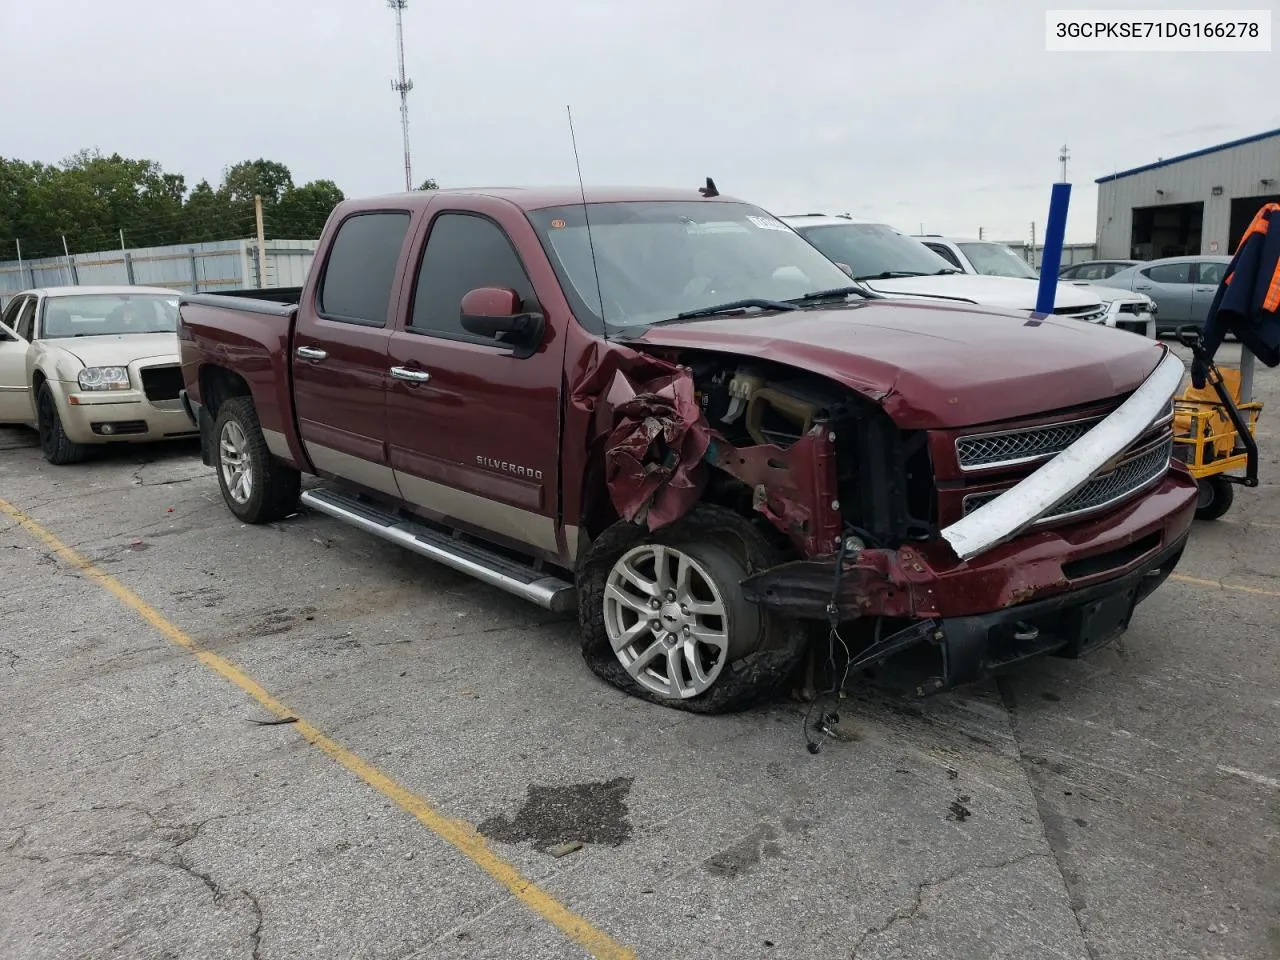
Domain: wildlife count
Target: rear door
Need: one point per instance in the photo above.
(1169, 285)
(340, 350)
(15, 394)
(473, 430)
(1208, 275)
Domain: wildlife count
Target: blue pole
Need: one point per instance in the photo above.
(1053, 235)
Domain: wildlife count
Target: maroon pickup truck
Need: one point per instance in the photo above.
(669, 413)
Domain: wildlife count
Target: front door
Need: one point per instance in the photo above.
(340, 351)
(15, 393)
(473, 430)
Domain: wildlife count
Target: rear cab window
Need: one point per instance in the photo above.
(360, 270)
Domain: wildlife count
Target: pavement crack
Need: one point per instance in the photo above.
(9, 658)
(911, 911)
(1044, 814)
(255, 935)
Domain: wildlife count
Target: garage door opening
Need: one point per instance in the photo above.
(1169, 230)
(1243, 209)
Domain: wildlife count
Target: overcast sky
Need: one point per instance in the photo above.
(918, 112)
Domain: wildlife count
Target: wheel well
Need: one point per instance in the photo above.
(218, 385)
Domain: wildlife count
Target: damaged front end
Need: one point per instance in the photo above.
(858, 500)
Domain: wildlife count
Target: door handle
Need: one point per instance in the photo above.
(411, 376)
(311, 353)
(1142, 286)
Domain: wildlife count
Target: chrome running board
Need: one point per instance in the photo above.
(520, 579)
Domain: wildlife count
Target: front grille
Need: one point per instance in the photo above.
(1134, 308)
(161, 383)
(1011, 448)
(1137, 472)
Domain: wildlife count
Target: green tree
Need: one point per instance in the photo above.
(250, 178)
(429, 184)
(302, 211)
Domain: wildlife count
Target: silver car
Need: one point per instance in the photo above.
(1182, 287)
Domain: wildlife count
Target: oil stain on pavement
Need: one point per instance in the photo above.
(583, 812)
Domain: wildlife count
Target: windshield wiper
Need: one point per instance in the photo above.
(731, 306)
(890, 274)
(944, 271)
(839, 293)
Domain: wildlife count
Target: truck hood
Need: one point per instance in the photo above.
(120, 350)
(934, 365)
(1014, 292)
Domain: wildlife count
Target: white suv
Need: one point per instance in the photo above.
(888, 261)
(1129, 311)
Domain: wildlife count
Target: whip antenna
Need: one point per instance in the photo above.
(586, 217)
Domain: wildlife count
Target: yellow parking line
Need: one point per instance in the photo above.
(1238, 588)
(462, 836)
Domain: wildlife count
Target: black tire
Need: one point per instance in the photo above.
(273, 487)
(718, 537)
(1216, 497)
(54, 444)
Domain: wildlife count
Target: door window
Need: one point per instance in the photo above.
(463, 252)
(10, 316)
(26, 320)
(945, 253)
(1169, 272)
(1209, 272)
(361, 268)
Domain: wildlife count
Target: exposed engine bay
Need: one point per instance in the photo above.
(818, 461)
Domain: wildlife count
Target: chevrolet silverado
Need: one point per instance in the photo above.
(668, 412)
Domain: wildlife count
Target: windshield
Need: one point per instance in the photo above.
(873, 249)
(98, 315)
(659, 259)
(997, 260)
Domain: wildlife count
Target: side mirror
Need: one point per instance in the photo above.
(6, 334)
(848, 270)
(497, 312)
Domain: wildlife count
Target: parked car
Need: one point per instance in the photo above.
(680, 420)
(1135, 312)
(92, 365)
(1093, 270)
(1183, 287)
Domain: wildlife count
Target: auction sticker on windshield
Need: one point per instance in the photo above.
(766, 223)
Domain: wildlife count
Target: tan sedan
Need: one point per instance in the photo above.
(92, 365)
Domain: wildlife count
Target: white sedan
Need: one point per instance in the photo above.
(92, 365)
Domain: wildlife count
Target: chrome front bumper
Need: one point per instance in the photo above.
(1027, 501)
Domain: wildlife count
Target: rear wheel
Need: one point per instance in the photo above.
(1215, 496)
(663, 617)
(54, 444)
(256, 486)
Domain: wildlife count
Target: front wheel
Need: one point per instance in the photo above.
(1215, 496)
(256, 487)
(663, 617)
(54, 443)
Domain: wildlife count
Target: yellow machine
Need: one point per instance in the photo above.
(1213, 429)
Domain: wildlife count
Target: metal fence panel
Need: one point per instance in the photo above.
(200, 267)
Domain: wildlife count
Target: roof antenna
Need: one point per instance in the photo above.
(709, 190)
(586, 217)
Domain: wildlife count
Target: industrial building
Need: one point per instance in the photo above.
(1195, 204)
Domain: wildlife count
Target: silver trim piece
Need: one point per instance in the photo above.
(375, 476)
(483, 513)
(1035, 495)
(312, 353)
(550, 593)
(409, 374)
